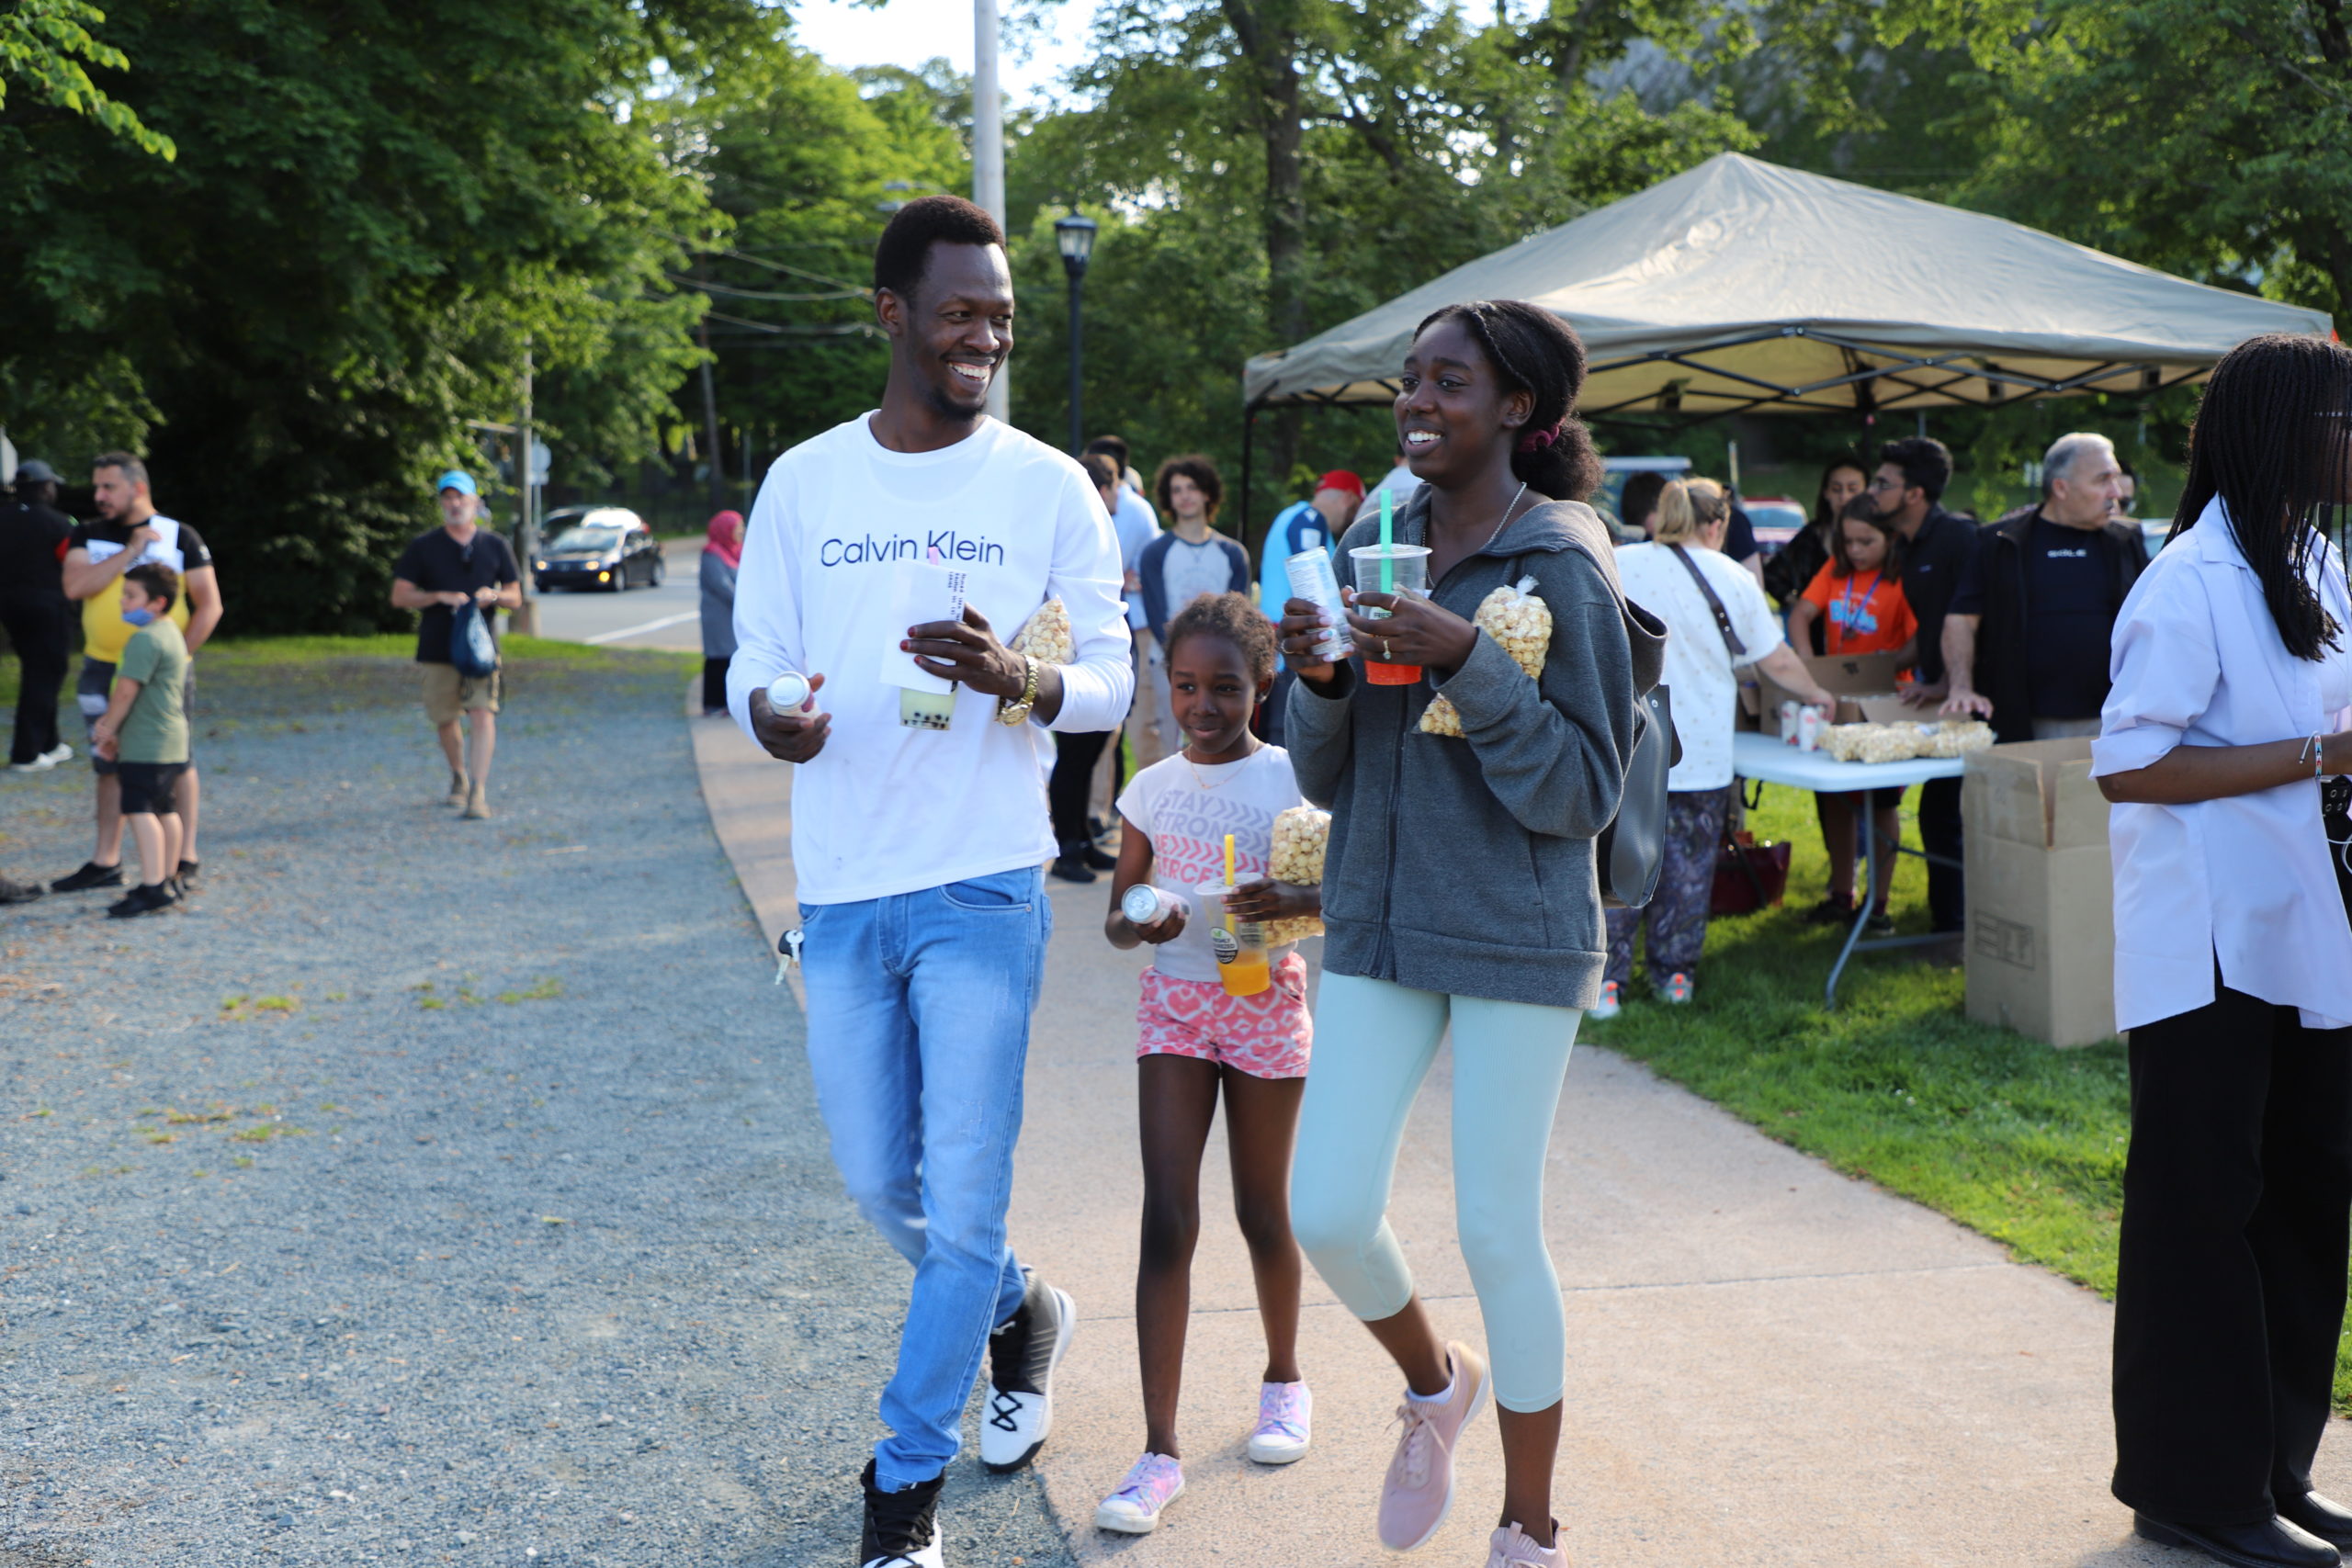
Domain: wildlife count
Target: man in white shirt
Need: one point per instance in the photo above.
(920, 822)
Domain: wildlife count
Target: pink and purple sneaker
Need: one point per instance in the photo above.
(1285, 1412)
(1135, 1509)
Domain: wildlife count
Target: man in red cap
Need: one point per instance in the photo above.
(1302, 525)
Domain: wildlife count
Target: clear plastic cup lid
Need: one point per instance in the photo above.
(1390, 552)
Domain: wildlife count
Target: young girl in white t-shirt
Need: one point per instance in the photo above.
(1196, 1042)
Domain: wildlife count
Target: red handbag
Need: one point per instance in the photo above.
(1748, 875)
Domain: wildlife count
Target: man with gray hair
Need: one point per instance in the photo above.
(2026, 639)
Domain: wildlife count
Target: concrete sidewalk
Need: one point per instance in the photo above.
(1768, 1362)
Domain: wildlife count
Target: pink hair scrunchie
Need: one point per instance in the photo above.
(1536, 440)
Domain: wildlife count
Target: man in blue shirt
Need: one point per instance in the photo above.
(1300, 526)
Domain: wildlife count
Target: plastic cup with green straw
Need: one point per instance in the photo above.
(1387, 542)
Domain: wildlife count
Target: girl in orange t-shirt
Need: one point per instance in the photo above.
(1860, 593)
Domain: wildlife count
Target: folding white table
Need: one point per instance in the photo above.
(1769, 759)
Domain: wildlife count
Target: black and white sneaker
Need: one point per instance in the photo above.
(1021, 1358)
(902, 1527)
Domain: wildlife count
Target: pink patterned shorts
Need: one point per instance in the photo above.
(1266, 1037)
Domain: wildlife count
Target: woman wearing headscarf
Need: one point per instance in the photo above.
(2222, 745)
(722, 552)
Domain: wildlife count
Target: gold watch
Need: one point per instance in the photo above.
(1018, 712)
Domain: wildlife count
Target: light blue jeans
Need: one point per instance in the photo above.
(1373, 1043)
(919, 1010)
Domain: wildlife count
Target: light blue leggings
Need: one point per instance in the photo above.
(1373, 1044)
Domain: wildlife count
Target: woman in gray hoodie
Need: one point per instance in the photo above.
(1459, 889)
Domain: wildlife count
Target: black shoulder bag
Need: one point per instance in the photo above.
(1722, 618)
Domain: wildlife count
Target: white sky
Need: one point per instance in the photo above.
(910, 32)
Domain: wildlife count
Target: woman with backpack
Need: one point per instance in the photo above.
(1460, 888)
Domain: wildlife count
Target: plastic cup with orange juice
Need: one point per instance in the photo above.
(1388, 568)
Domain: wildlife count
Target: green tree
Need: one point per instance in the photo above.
(1422, 140)
(801, 161)
(376, 208)
(48, 48)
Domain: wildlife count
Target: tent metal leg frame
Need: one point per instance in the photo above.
(1867, 879)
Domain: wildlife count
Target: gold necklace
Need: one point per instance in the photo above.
(1220, 783)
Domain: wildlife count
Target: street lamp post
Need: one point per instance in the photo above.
(1075, 236)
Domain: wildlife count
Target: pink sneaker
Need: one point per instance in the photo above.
(1284, 1410)
(1418, 1492)
(1511, 1548)
(1134, 1509)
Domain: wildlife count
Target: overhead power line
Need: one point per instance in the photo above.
(709, 288)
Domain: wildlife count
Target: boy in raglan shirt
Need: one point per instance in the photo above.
(919, 849)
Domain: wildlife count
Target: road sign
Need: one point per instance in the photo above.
(541, 455)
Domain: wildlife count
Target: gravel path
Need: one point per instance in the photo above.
(430, 1190)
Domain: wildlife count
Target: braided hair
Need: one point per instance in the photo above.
(2273, 439)
(1535, 352)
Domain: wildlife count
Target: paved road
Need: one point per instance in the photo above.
(434, 1192)
(669, 616)
(1769, 1363)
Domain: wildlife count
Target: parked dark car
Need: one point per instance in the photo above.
(601, 547)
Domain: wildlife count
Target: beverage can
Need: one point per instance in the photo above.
(1145, 905)
(1809, 728)
(1315, 579)
(1789, 706)
(790, 692)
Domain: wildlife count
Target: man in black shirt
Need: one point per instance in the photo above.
(456, 564)
(2045, 586)
(37, 616)
(1936, 544)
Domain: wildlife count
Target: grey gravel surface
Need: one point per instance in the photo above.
(430, 1190)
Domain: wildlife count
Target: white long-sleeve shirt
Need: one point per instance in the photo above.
(2197, 660)
(886, 809)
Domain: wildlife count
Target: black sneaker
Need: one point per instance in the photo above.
(1099, 859)
(92, 874)
(1832, 912)
(1021, 1358)
(19, 892)
(902, 1527)
(140, 900)
(1072, 868)
(186, 872)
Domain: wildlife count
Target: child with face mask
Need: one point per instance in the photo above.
(144, 732)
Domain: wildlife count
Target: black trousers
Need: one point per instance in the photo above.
(714, 683)
(42, 633)
(1940, 836)
(1071, 784)
(2229, 1292)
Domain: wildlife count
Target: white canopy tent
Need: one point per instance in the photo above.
(1742, 287)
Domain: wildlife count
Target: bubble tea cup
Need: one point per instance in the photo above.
(1239, 945)
(1388, 568)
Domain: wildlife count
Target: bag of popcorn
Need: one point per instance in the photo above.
(1514, 617)
(1957, 738)
(1301, 835)
(1044, 637)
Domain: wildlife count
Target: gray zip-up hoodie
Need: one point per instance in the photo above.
(1465, 865)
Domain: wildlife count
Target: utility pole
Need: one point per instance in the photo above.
(524, 621)
(988, 155)
(710, 427)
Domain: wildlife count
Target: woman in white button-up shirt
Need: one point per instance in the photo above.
(2232, 670)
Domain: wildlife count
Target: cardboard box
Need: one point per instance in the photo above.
(1863, 685)
(2040, 945)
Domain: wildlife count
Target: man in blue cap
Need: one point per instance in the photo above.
(458, 563)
